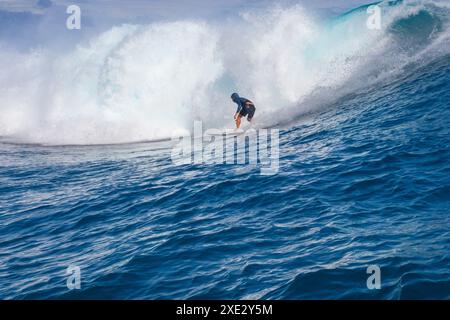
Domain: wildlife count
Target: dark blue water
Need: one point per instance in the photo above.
(365, 181)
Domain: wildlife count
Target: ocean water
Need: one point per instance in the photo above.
(363, 179)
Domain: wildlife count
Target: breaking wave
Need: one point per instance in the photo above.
(144, 82)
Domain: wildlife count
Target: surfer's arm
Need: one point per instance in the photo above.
(236, 115)
(239, 108)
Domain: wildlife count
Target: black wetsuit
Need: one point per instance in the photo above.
(245, 107)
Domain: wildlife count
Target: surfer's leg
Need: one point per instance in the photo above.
(242, 113)
(238, 121)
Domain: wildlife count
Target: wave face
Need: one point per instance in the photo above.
(363, 181)
(142, 82)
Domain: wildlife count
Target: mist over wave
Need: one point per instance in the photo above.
(142, 82)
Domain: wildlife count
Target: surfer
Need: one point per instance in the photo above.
(245, 108)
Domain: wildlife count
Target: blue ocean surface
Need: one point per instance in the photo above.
(363, 180)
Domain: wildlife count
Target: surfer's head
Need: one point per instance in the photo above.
(234, 97)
